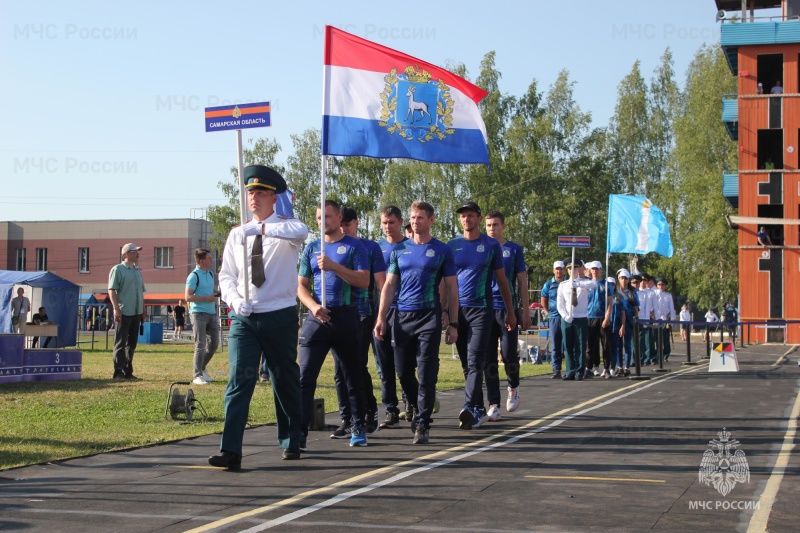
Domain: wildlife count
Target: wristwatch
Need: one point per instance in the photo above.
(454, 324)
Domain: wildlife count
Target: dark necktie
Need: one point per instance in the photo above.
(574, 297)
(257, 263)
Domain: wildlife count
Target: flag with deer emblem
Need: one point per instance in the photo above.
(379, 102)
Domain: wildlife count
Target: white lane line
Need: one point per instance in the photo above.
(760, 518)
(397, 477)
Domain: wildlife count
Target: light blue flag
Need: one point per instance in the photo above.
(285, 204)
(636, 226)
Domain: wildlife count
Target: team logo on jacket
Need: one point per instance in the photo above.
(481, 249)
(341, 250)
(506, 253)
(416, 106)
(430, 252)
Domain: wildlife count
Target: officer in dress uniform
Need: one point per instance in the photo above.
(266, 321)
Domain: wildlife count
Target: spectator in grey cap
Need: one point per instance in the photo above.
(126, 292)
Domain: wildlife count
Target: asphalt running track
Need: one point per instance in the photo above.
(598, 455)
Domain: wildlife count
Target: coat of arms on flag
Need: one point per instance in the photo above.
(378, 102)
(415, 106)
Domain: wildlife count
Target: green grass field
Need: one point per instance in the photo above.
(48, 421)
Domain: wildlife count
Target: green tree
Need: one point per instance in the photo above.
(706, 250)
(629, 130)
(490, 186)
(304, 168)
(664, 104)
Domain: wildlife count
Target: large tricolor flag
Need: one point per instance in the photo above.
(636, 226)
(378, 102)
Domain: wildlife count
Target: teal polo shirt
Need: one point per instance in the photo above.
(128, 283)
(203, 285)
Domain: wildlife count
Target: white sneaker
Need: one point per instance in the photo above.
(596, 372)
(200, 380)
(207, 376)
(512, 404)
(494, 412)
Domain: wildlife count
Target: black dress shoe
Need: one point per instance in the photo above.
(569, 378)
(228, 460)
(118, 375)
(556, 375)
(290, 454)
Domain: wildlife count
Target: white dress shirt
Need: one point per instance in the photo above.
(646, 297)
(281, 243)
(664, 308)
(564, 298)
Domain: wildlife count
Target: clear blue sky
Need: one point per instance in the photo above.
(101, 104)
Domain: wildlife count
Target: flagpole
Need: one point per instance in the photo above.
(608, 271)
(243, 213)
(322, 226)
(323, 165)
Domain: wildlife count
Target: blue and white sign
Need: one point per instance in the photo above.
(238, 116)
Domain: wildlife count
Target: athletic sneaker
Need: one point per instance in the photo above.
(343, 431)
(359, 436)
(391, 420)
(494, 412)
(480, 416)
(207, 376)
(200, 380)
(512, 403)
(373, 425)
(402, 415)
(303, 444)
(409, 412)
(466, 418)
(596, 372)
(421, 436)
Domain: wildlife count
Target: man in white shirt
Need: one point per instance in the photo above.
(638, 281)
(664, 310)
(265, 321)
(20, 306)
(573, 306)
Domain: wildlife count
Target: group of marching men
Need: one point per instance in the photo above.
(471, 289)
(467, 288)
(590, 314)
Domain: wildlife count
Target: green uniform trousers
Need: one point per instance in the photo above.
(275, 334)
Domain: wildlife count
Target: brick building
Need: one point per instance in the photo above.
(83, 251)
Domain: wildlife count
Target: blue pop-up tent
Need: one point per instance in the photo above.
(59, 296)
